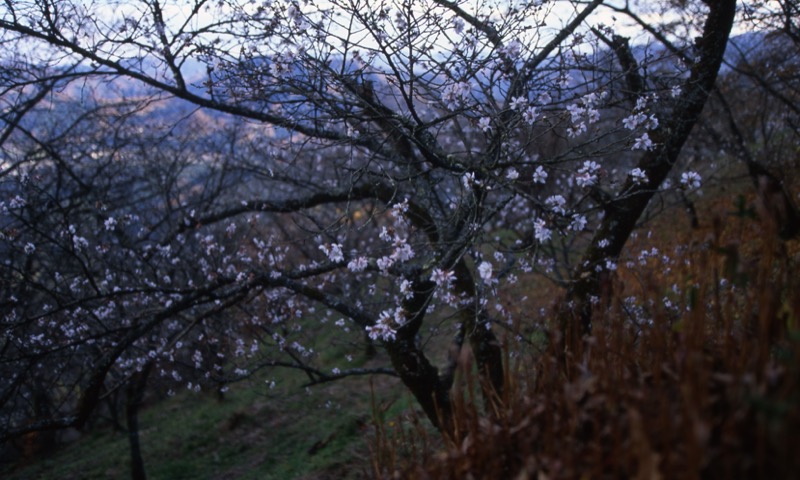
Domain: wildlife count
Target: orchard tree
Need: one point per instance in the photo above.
(96, 194)
(384, 168)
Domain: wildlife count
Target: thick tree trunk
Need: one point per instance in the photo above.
(430, 389)
(422, 379)
(625, 210)
(414, 368)
(484, 344)
(135, 395)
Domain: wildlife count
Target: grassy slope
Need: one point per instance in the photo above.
(254, 433)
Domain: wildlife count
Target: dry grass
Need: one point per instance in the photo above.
(692, 370)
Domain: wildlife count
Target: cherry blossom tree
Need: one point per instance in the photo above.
(232, 178)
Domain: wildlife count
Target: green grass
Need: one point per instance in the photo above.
(255, 433)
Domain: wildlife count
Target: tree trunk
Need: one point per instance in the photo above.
(135, 394)
(413, 367)
(484, 344)
(431, 390)
(422, 379)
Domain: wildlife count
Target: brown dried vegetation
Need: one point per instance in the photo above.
(699, 376)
